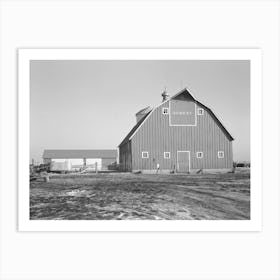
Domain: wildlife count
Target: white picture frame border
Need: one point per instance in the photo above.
(254, 55)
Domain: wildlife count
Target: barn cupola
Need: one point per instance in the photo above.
(164, 95)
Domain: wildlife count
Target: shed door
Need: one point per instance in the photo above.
(183, 161)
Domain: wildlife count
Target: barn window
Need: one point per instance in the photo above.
(199, 154)
(200, 111)
(166, 155)
(145, 155)
(165, 111)
(221, 154)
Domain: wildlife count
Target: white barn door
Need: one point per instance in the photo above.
(183, 162)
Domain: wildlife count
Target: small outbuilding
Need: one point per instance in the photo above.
(66, 160)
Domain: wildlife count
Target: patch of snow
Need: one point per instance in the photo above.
(77, 193)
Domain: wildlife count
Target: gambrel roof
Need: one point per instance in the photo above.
(184, 91)
(131, 132)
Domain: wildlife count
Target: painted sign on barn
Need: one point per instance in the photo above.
(182, 112)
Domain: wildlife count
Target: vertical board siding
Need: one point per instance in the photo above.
(125, 157)
(156, 136)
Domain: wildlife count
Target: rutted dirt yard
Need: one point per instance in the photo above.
(138, 196)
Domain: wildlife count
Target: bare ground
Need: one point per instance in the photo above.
(136, 196)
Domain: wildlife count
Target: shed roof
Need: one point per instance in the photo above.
(60, 154)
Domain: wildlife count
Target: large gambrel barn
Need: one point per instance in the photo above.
(179, 135)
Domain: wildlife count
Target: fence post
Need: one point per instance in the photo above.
(96, 170)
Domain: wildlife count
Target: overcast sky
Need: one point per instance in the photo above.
(92, 104)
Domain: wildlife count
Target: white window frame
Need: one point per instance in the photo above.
(221, 152)
(199, 153)
(200, 112)
(167, 109)
(144, 156)
(166, 153)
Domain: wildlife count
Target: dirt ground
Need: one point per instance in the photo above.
(126, 196)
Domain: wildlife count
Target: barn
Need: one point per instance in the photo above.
(180, 135)
(79, 159)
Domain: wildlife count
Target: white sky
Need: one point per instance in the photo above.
(92, 104)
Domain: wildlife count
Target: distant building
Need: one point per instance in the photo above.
(179, 135)
(77, 159)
